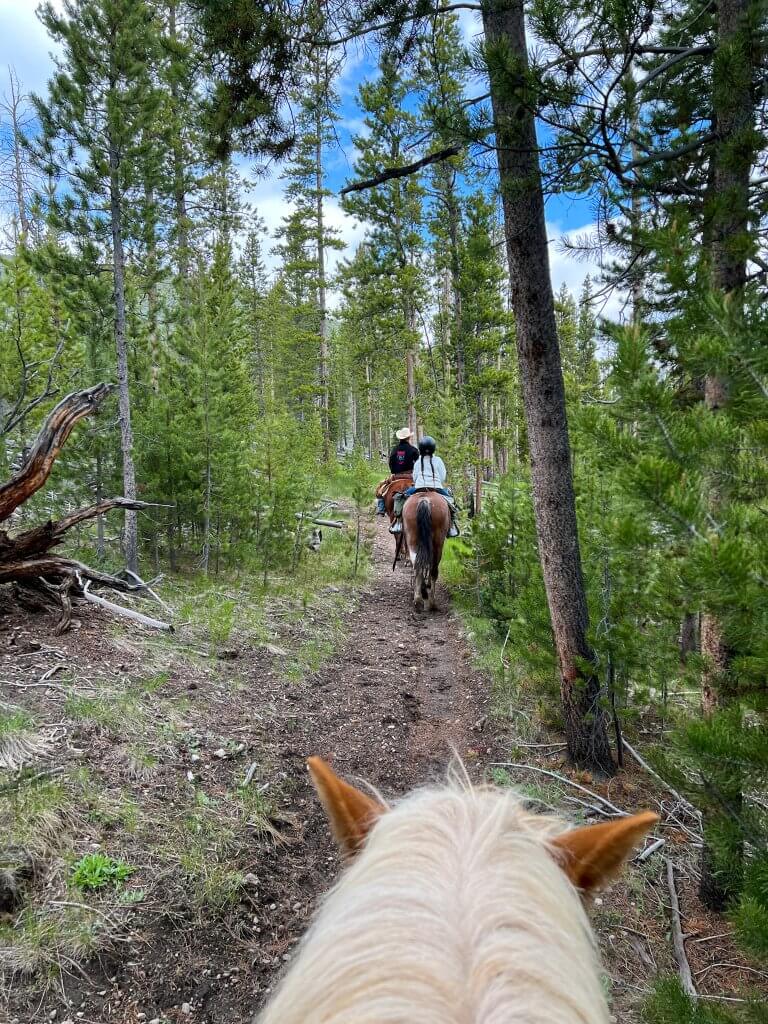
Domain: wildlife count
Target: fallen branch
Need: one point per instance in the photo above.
(561, 778)
(683, 967)
(590, 807)
(335, 524)
(150, 591)
(644, 764)
(127, 613)
(40, 539)
(57, 428)
(649, 851)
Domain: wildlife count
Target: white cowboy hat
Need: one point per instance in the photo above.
(403, 433)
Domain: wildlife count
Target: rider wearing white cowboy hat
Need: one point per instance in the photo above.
(401, 459)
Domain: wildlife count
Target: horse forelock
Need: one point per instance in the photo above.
(455, 912)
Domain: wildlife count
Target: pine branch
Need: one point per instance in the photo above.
(404, 171)
(382, 26)
(664, 155)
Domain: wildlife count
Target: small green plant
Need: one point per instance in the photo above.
(98, 870)
(153, 683)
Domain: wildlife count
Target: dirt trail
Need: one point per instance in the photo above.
(402, 693)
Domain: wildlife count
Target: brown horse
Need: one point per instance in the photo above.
(426, 521)
(399, 482)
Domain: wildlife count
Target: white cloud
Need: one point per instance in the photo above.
(470, 26)
(267, 199)
(570, 269)
(26, 46)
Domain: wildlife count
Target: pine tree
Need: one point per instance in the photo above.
(95, 132)
(307, 191)
(394, 212)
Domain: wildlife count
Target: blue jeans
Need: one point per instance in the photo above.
(440, 490)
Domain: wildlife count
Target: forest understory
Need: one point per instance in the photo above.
(163, 849)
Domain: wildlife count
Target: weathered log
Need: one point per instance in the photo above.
(47, 579)
(59, 567)
(129, 613)
(336, 524)
(40, 539)
(46, 449)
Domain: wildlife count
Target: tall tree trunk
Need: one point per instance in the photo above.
(321, 285)
(131, 540)
(727, 210)
(542, 381)
(179, 179)
(21, 201)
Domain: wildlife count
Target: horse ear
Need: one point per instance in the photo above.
(351, 813)
(593, 855)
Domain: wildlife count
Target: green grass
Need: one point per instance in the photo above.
(14, 721)
(256, 809)
(43, 942)
(153, 683)
(34, 814)
(115, 712)
(99, 871)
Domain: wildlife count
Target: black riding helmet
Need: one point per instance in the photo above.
(427, 445)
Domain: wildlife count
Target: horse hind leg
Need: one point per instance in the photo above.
(418, 586)
(430, 595)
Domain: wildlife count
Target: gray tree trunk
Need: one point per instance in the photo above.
(18, 174)
(131, 541)
(321, 287)
(727, 213)
(542, 382)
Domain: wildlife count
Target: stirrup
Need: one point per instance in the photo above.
(453, 530)
(396, 527)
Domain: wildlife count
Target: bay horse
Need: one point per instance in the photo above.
(399, 482)
(426, 521)
(458, 906)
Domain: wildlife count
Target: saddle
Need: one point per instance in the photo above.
(406, 479)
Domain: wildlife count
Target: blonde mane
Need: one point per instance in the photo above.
(454, 912)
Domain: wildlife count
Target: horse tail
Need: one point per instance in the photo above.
(423, 561)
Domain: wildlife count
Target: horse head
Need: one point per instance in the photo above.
(458, 905)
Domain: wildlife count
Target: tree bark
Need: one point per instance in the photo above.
(542, 381)
(689, 636)
(21, 200)
(47, 447)
(727, 214)
(321, 285)
(411, 390)
(131, 540)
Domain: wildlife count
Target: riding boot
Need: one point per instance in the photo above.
(381, 509)
(397, 526)
(453, 530)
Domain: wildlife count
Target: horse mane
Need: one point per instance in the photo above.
(454, 912)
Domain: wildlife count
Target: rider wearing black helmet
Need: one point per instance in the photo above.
(429, 473)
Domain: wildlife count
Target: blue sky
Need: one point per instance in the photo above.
(25, 46)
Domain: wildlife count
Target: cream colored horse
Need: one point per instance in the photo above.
(458, 907)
